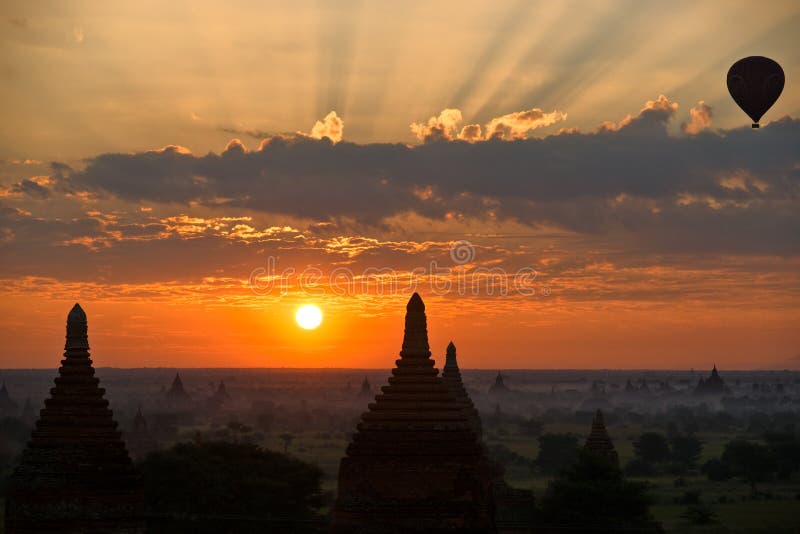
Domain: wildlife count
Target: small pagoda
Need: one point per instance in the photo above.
(75, 476)
(177, 396)
(139, 439)
(415, 463)
(366, 390)
(451, 376)
(499, 387)
(220, 396)
(8, 407)
(28, 413)
(599, 442)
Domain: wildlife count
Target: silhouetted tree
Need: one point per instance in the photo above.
(556, 451)
(215, 479)
(651, 447)
(716, 470)
(747, 460)
(784, 448)
(593, 496)
(685, 450)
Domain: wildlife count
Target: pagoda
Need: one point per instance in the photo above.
(7, 404)
(28, 413)
(713, 385)
(366, 390)
(75, 475)
(220, 396)
(599, 442)
(177, 396)
(139, 425)
(499, 387)
(139, 439)
(451, 376)
(415, 463)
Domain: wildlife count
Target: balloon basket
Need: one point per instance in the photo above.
(755, 125)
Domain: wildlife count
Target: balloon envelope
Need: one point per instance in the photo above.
(755, 83)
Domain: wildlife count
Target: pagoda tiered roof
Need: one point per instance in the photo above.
(75, 474)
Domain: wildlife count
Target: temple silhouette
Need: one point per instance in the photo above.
(75, 475)
(415, 463)
(7, 405)
(599, 442)
(177, 397)
(713, 385)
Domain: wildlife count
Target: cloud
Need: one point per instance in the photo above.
(633, 179)
(517, 125)
(447, 126)
(471, 133)
(37, 187)
(654, 112)
(235, 146)
(254, 133)
(443, 127)
(700, 119)
(331, 127)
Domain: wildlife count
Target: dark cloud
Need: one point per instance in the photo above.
(629, 176)
(31, 188)
(249, 132)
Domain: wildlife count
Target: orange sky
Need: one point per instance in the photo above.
(426, 144)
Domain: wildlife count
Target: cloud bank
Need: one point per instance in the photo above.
(733, 191)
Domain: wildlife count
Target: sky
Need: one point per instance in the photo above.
(566, 184)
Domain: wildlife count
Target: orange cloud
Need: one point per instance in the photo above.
(235, 145)
(660, 109)
(517, 125)
(700, 119)
(471, 133)
(332, 127)
(445, 126)
(441, 128)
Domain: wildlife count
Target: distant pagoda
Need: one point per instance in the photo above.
(414, 464)
(220, 396)
(28, 413)
(366, 390)
(499, 387)
(713, 385)
(599, 442)
(451, 376)
(139, 439)
(177, 396)
(75, 474)
(139, 423)
(7, 404)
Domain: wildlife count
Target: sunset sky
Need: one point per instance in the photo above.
(581, 163)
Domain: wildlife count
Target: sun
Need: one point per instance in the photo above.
(308, 316)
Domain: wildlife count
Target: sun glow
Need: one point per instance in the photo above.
(308, 316)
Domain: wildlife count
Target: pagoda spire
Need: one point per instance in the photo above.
(599, 442)
(75, 475)
(450, 361)
(451, 376)
(415, 337)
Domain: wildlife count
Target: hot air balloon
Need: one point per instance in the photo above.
(755, 83)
